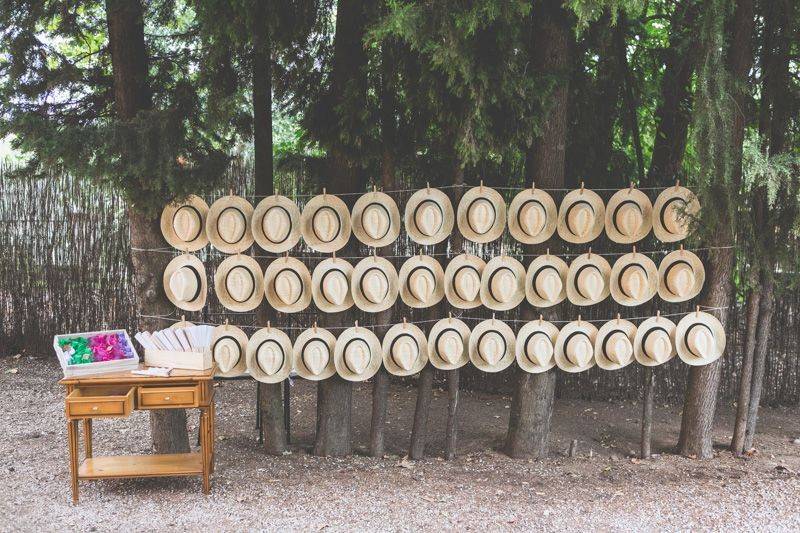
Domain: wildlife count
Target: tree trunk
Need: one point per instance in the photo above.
(451, 437)
(420, 429)
(132, 95)
(746, 380)
(272, 423)
(760, 357)
(647, 410)
(380, 393)
(630, 100)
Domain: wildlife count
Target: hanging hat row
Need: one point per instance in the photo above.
(373, 284)
(491, 346)
(231, 224)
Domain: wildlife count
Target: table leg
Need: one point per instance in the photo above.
(72, 433)
(87, 436)
(211, 438)
(204, 449)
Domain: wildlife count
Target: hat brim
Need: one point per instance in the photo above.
(453, 267)
(182, 324)
(212, 229)
(644, 329)
(429, 264)
(515, 209)
(222, 292)
(668, 262)
(440, 327)
(567, 332)
(620, 265)
(444, 204)
(537, 267)
(260, 337)
(318, 278)
(317, 203)
(388, 206)
(292, 212)
(663, 201)
(389, 339)
(525, 333)
(612, 326)
(168, 230)
(578, 264)
(475, 337)
(620, 199)
(492, 267)
(297, 353)
(695, 319)
(375, 360)
(197, 267)
(570, 200)
(296, 266)
(462, 214)
(361, 268)
(240, 337)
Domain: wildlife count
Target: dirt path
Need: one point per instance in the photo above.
(603, 489)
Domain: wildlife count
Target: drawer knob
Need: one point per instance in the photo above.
(95, 408)
(167, 398)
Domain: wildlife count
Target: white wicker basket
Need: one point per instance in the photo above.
(100, 367)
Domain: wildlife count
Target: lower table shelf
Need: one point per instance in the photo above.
(130, 466)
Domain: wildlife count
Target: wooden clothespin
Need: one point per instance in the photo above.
(405, 323)
(315, 327)
(681, 249)
(493, 315)
(579, 320)
(697, 311)
(480, 188)
(226, 323)
(541, 318)
(230, 191)
(658, 314)
(618, 319)
(375, 255)
(589, 253)
(634, 251)
(324, 192)
(333, 259)
(428, 186)
(677, 183)
(183, 318)
(630, 189)
(356, 326)
(269, 325)
(286, 257)
(449, 317)
(547, 254)
(582, 187)
(533, 186)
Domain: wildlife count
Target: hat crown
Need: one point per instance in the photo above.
(183, 284)
(701, 342)
(542, 350)
(450, 346)
(680, 279)
(186, 223)
(532, 218)
(226, 354)
(619, 348)
(326, 224)
(288, 286)
(231, 225)
(375, 221)
(549, 284)
(481, 215)
(633, 281)
(357, 355)
(239, 284)
(422, 284)
(503, 285)
(405, 352)
(276, 224)
(581, 219)
(316, 356)
(375, 285)
(673, 219)
(591, 283)
(428, 218)
(492, 347)
(658, 346)
(335, 287)
(629, 219)
(270, 358)
(579, 350)
(468, 284)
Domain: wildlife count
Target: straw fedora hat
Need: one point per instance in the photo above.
(421, 281)
(462, 281)
(276, 224)
(613, 346)
(629, 216)
(313, 354)
(681, 276)
(502, 283)
(546, 281)
(574, 350)
(634, 279)
(376, 219)
(581, 216)
(228, 224)
(183, 224)
(229, 350)
(699, 338)
(269, 355)
(588, 279)
(532, 216)
(374, 284)
(654, 343)
(491, 345)
(185, 282)
(239, 283)
(672, 213)
(357, 354)
(428, 216)
(481, 214)
(330, 285)
(287, 285)
(536, 345)
(448, 344)
(325, 223)
(405, 349)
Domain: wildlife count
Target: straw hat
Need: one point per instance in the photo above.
(681, 276)
(325, 223)
(185, 282)
(462, 281)
(421, 281)
(183, 224)
(491, 346)
(374, 284)
(672, 213)
(613, 347)
(357, 354)
(287, 285)
(587, 279)
(239, 283)
(330, 285)
(313, 354)
(502, 283)
(699, 338)
(428, 216)
(532, 216)
(276, 224)
(269, 355)
(228, 224)
(546, 281)
(405, 349)
(654, 343)
(581, 216)
(574, 350)
(229, 350)
(448, 344)
(481, 214)
(376, 219)
(536, 345)
(634, 279)
(629, 216)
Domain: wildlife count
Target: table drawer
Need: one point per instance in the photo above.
(168, 397)
(100, 402)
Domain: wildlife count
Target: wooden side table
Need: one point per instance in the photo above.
(116, 395)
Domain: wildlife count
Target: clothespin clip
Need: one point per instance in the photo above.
(428, 186)
(493, 315)
(286, 257)
(230, 191)
(533, 186)
(630, 190)
(269, 325)
(658, 315)
(404, 323)
(333, 259)
(697, 311)
(681, 249)
(449, 317)
(677, 184)
(547, 254)
(618, 319)
(480, 188)
(541, 318)
(324, 192)
(579, 320)
(582, 186)
(589, 253)
(374, 188)
(183, 318)
(634, 251)
(226, 323)
(356, 326)
(375, 255)
(315, 327)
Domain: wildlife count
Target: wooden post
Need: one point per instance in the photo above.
(380, 390)
(453, 378)
(420, 431)
(647, 411)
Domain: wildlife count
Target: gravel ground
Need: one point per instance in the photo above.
(604, 488)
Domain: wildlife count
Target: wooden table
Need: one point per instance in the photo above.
(115, 395)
